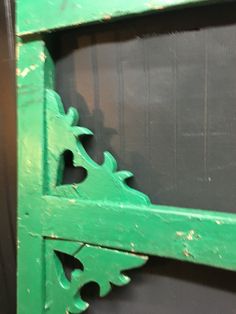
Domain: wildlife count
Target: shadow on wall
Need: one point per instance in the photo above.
(166, 286)
(159, 94)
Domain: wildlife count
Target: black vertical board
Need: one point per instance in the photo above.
(159, 92)
(7, 161)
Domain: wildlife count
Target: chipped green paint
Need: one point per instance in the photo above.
(34, 74)
(100, 221)
(61, 125)
(45, 15)
(196, 236)
(127, 215)
(63, 294)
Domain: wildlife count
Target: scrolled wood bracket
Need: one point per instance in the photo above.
(98, 265)
(63, 134)
(100, 221)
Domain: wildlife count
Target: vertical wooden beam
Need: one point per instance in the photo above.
(33, 70)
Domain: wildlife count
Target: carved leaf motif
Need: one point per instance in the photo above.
(100, 265)
(104, 182)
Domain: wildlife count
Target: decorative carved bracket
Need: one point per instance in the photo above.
(63, 135)
(100, 265)
(102, 210)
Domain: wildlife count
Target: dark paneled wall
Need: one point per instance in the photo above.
(159, 92)
(7, 161)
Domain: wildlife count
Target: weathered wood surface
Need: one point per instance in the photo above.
(102, 210)
(46, 15)
(7, 161)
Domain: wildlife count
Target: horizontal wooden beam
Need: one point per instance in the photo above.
(46, 15)
(196, 236)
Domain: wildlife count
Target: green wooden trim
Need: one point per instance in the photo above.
(102, 217)
(61, 292)
(196, 236)
(46, 15)
(103, 210)
(34, 70)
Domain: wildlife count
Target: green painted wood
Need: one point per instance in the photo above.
(60, 125)
(101, 220)
(45, 15)
(195, 236)
(35, 77)
(62, 294)
(33, 70)
(104, 210)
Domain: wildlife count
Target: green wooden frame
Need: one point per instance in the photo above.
(102, 222)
